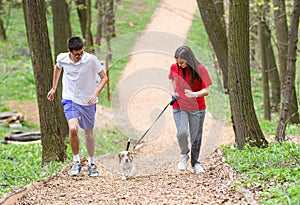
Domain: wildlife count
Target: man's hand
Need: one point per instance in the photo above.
(92, 100)
(50, 95)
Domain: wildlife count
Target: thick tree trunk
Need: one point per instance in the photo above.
(37, 33)
(61, 25)
(291, 71)
(61, 32)
(217, 35)
(246, 124)
(219, 5)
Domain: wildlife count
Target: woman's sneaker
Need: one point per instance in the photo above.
(93, 172)
(197, 169)
(76, 168)
(182, 164)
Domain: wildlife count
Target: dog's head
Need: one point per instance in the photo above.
(125, 157)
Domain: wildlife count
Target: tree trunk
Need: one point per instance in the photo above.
(282, 37)
(217, 35)
(291, 71)
(99, 6)
(82, 14)
(273, 74)
(246, 124)
(61, 32)
(107, 28)
(219, 5)
(53, 145)
(2, 29)
(61, 25)
(89, 38)
(111, 18)
(264, 70)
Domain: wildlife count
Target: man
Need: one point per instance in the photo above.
(79, 97)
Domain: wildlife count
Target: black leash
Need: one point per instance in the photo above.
(170, 103)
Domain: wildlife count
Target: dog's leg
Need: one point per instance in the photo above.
(131, 170)
(123, 174)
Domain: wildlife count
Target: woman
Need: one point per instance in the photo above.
(190, 80)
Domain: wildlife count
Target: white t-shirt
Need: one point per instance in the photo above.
(79, 79)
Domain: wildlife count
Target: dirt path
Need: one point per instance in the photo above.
(140, 96)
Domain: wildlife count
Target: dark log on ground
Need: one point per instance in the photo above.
(24, 137)
(13, 116)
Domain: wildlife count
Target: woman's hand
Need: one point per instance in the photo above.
(191, 94)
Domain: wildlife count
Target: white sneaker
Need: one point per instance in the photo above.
(182, 164)
(197, 169)
(76, 168)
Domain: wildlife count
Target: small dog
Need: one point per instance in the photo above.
(126, 164)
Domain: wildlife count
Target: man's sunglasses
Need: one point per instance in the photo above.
(76, 55)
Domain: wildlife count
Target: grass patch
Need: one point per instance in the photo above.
(273, 172)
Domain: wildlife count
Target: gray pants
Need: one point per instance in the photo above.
(189, 123)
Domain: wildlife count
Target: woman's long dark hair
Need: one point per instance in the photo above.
(185, 53)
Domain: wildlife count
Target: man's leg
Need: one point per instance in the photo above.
(74, 142)
(73, 135)
(90, 144)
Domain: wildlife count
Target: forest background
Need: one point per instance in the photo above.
(18, 84)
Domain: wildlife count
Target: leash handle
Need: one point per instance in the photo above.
(174, 98)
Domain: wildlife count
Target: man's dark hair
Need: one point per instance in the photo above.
(75, 43)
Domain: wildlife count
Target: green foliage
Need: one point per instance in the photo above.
(273, 171)
(21, 165)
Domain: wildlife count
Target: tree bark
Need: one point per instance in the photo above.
(264, 70)
(281, 36)
(99, 6)
(242, 107)
(2, 29)
(82, 14)
(53, 147)
(273, 74)
(217, 35)
(281, 27)
(219, 5)
(61, 32)
(108, 28)
(88, 38)
(291, 71)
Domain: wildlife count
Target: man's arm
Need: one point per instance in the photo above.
(93, 99)
(56, 75)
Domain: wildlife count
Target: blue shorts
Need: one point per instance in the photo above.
(84, 114)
